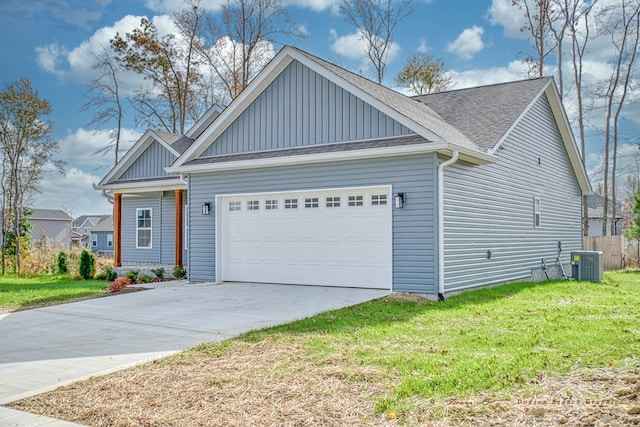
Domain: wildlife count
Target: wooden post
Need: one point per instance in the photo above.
(117, 225)
(179, 227)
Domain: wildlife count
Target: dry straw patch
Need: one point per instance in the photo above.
(268, 383)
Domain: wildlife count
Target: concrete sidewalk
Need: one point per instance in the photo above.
(45, 348)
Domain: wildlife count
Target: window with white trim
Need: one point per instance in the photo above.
(356, 200)
(234, 205)
(271, 204)
(291, 203)
(143, 228)
(378, 199)
(94, 240)
(536, 212)
(253, 205)
(311, 202)
(333, 202)
(109, 240)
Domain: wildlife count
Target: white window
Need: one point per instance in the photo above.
(271, 204)
(109, 240)
(253, 205)
(332, 202)
(311, 202)
(356, 201)
(536, 212)
(234, 206)
(378, 199)
(143, 228)
(94, 240)
(291, 203)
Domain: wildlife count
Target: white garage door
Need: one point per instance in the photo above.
(339, 237)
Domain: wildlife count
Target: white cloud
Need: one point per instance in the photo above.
(169, 6)
(515, 70)
(468, 43)
(315, 5)
(78, 148)
(353, 47)
(71, 192)
(49, 57)
(510, 17)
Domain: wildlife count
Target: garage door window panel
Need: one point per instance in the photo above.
(253, 205)
(356, 201)
(378, 200)
(291, 203)
(311, 202)
(235, 206)
(332, 202)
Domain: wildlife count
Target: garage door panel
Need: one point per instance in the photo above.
(331, 243)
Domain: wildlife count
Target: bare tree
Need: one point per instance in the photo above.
(168, 63)
(26, 150)
(424, 74)
(239, 42)
(376, 20)
(539, 15)
(622, 23)
(105, 100)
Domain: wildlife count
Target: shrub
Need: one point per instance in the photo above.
(61, 263)
(179, 272)
(100, 276)
(119, 284)
(111, 274)
(132, 275)
(144, 278)
(159, 272)
(87, 265)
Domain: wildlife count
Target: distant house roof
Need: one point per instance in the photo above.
(104, 225)
(91, 219)
(50, 215)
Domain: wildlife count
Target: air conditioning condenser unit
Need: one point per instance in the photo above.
(586, 266)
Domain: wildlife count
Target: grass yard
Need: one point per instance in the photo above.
(549, 353)
(18, 293)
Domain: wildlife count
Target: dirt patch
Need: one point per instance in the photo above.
(270, 383)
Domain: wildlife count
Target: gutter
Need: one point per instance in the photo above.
(441, 166)
(105, 193)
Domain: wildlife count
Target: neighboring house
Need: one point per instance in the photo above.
(102, 237)
(51, 226)
(315, 175)
(82, 227)
(595, 203)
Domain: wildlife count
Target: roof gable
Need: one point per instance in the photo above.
(50, 215)
(415, 116)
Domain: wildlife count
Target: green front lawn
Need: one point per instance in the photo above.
(19, 292)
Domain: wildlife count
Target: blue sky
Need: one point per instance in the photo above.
(51, 42)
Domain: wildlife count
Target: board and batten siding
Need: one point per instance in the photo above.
(163, 216)
(151, 163)
(490, 208)
(414, 263)
(301, 108)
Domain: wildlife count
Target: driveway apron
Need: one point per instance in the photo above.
(45, 348)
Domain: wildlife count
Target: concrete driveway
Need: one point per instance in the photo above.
(45, 348)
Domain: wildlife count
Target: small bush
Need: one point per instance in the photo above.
(111, 274)
(87, 265)
(119, 284)
(132, 275)
(100, 276)
(144, 278)
(159, 272)
(61, 263)
(179, 272)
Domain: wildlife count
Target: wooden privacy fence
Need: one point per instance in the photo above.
(612, 248)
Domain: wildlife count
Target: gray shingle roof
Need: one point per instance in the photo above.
(178, 142)
(51, 214)
(314, 149)
(485, 113)
(104, 225)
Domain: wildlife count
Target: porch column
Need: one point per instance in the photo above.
(117, 229)
(179, 227)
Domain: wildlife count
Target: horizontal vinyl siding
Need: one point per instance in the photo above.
(129, 251)
(413, 226)
(491, 207)
(303, 108)
(151, 163)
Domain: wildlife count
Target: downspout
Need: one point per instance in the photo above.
(441, 166)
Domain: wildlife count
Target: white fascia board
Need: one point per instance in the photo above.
(145, 187)
(237, 106)
(334, 156)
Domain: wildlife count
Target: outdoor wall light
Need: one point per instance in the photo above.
(206, 208)
(398, 200)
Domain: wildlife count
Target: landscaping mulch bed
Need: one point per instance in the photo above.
(269, 383)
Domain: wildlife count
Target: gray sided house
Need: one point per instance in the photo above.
(315, 175)
(51, 226)
(102, 238)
